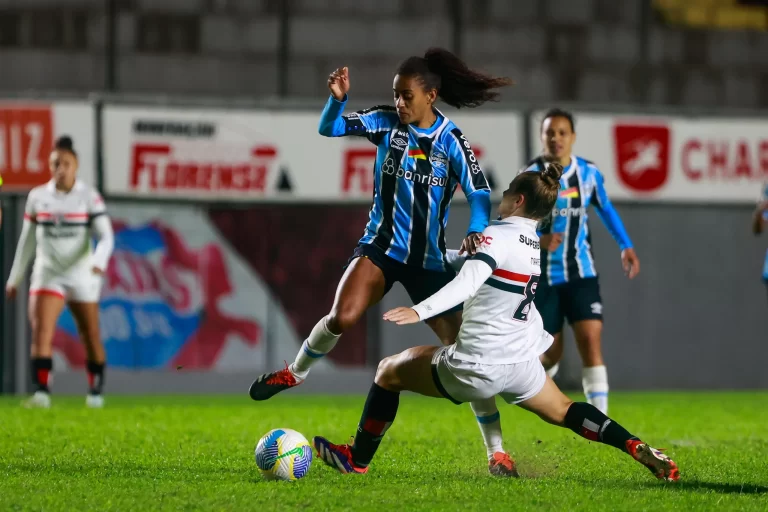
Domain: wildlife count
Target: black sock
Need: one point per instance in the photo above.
(378, 414)
(41, 369)
(95, 377)
(587, 421)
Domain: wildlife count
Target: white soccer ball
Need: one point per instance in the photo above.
(283, 454)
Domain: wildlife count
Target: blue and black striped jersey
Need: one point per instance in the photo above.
(415, 175)
(580, 186)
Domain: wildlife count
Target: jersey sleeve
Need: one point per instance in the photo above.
(608, 213)
(96, 205)
(454, 259)
(372, 123)
(25, 248)
(466, 284)
(464, 164)
(30, 210)
(490, 250)
(102, 228)
(467, 170)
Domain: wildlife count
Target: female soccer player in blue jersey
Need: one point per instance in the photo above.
(421, 158)
(759, 218)
(569, 286)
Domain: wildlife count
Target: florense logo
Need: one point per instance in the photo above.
(161, 166)
(642, 155)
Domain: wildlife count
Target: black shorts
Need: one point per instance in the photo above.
(575, 300)
(420, 283)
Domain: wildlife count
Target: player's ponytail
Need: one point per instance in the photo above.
(65, 143)
(540, 189)
(456, 84)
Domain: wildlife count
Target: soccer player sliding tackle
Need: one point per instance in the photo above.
(497, 350)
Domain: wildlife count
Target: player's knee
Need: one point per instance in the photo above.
(342, 319)
(556, 412)
(559, 412)
(386, 373)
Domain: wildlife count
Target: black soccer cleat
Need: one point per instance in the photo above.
(270, 384)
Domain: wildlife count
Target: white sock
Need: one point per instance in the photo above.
(320, 342)
(595, 382)
(553, 371)
(489, 421)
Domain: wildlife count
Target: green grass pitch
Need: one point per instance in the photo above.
(196, 453)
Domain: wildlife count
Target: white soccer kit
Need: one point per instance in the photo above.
(58, 229)
(502, 336)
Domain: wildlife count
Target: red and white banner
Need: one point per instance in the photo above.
(28, 131)
(675, 159)
(266, 155)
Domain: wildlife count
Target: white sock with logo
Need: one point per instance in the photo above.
(595, 382)
(320, 342)
(489, 421)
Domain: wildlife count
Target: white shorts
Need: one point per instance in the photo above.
(461, 381)
(79, 286)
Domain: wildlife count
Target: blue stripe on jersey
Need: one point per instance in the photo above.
(580, 186)
(413, 189)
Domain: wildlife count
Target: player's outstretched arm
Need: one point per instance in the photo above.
(373, 123)
(466, 168)
(102, 228)
(25, 249)
(610, 217)
(472, 276)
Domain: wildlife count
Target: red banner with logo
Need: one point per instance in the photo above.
(27, 135)
(676, 159)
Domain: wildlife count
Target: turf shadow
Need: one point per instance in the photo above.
(721, 488)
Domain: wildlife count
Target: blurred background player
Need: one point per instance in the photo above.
(759, 218)
(421, 158)
(569, 287)
(60, 220)
(498, 348)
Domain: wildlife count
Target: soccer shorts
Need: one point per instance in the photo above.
(575, 301)
(419, 282)
(74, 286)
(462, 381)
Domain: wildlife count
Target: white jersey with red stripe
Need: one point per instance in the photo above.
(500, 322)
(59, 228)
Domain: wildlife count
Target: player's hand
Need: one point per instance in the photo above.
(763, 207)
(551, 242)
(10, 292)
(338, 83)
(630, 262)
(402, 316)
(97, 271)
(470, 244)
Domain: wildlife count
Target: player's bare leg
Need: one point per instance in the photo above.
(44, 311)
(551, 405)
(447, 327)
(551, 358)
(361, 286)
(410, 370)
(86, 315)
(594, 377)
